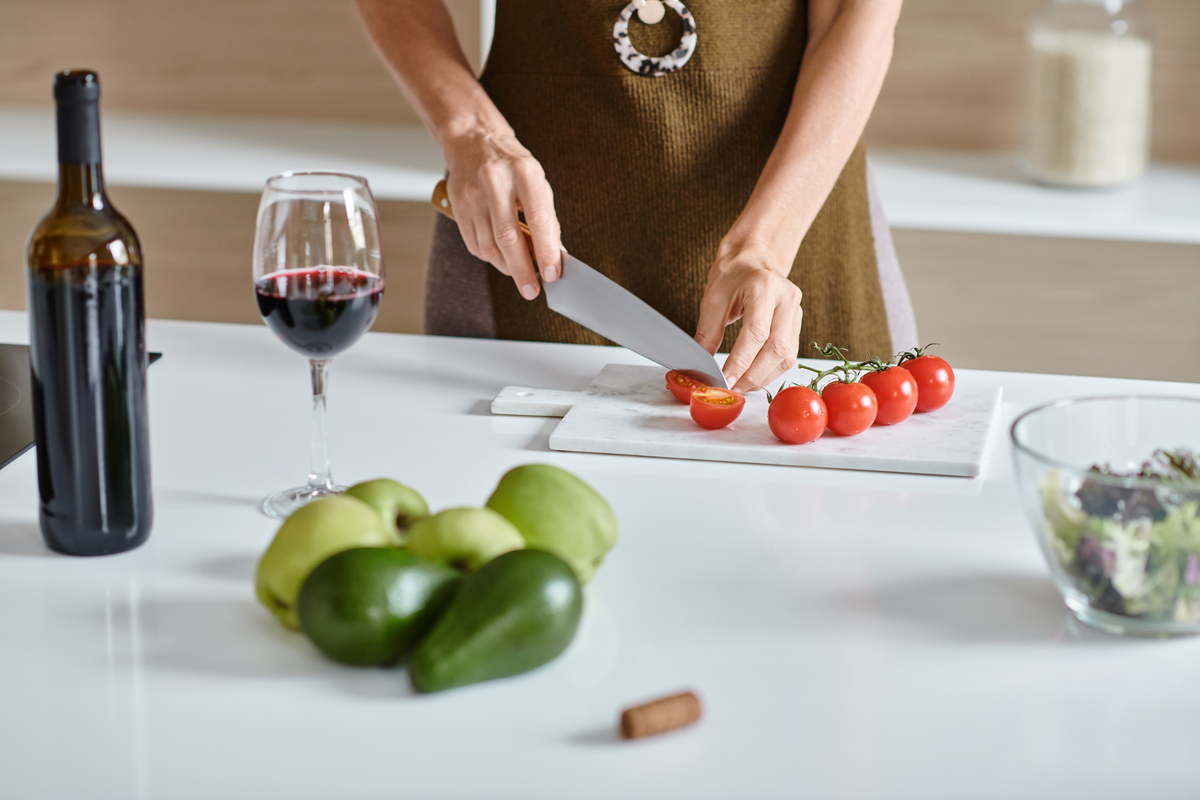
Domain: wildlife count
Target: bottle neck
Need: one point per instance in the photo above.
(81, 184)
(80, 179)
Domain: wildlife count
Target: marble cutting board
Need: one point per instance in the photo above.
(627, 410)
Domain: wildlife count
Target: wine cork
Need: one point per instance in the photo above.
(660, 716)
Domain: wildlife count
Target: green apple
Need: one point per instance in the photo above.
(399, 505)
(463, 537)
(310, 535)
(556, 511)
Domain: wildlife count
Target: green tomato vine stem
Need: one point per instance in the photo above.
(915, 353)
(851, 371)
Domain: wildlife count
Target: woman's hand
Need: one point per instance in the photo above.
(492, 177)
(751, 284)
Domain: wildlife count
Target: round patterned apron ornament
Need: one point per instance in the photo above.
(647, 65)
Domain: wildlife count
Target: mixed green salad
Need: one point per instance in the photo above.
(1134, 550)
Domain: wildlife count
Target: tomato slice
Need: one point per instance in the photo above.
(851, 407)
(935, 381)
(896, 391)
(682, 386)
(797, 415)
(715, 408)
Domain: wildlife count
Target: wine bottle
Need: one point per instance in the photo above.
(87, 348)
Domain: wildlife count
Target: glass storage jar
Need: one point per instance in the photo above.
(1089, 93)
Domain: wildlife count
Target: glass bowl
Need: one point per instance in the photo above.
(1123, 545)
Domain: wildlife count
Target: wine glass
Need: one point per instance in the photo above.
(318, 278)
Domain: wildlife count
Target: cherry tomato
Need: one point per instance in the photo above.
(935, 381)
(797, 415)
(716, 408)
(681, 386)
(851, 407)
(896, 391)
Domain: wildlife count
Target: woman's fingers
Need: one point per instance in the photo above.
(778, 354)
(515, 252)
(757, 318)
(536, 200)
(465, 216)
(475, 225)
(510, 249)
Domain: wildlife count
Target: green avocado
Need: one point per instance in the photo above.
(369, 606)
(556, 511)
(513, 614)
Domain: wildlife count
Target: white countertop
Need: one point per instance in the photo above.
(851, 634)
(970, 192)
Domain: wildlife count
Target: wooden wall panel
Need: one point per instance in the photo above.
(199, 246)
(957, 77)
(1069, 306)
(288, 58)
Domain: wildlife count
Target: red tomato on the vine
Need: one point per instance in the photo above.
(715, 408)
(935, 381)
(851, 407)
(682, 386)
(797, 415)
(896, 391)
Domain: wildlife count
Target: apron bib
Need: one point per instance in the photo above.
(649, 171)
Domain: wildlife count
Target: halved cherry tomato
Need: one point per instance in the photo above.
(682, 386)
(935, 381)
(715, 408)
(851, 407)
(896, 391)
(797, 415)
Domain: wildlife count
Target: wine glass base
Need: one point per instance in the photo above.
(281, 504)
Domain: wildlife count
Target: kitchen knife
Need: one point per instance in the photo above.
(600, 304)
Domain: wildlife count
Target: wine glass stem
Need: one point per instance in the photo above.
(319, 475)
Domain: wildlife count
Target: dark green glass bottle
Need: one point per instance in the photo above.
(87, 348)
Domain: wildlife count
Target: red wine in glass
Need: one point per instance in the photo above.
(319, 311)
(318, 281)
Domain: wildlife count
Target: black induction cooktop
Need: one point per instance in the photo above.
(16, 404)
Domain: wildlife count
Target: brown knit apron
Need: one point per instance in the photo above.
(649, 173)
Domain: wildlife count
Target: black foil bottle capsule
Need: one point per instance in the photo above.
(87, 348)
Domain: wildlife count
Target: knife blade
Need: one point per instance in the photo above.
(600, 304)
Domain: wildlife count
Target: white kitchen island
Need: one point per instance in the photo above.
(851, 634)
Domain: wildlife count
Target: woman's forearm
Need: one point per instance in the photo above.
(493, 177)
(416, 39)
(845, 62)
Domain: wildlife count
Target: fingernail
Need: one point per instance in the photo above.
(529, 291)
(551, 273)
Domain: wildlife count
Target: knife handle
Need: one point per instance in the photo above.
(441, 201)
